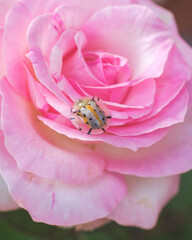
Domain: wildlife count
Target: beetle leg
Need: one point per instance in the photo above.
(89, 131)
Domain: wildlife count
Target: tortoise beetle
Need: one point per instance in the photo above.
(90, 115)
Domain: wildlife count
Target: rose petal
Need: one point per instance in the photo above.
(137, 97)
(64, 46)
(6, 201)
(2, 70)
(72, 17)
(186, 51)
(147, 37)
(53, 156)
(4, 8)
(15, 45)
(164, 14)
(15, 41)
(170, 156)
(170, 115)
(86, 4)
(75, 67)
(62, 204)
(35, 92)
(92, 225)
(132, 143)
(144, 201)
(169, 84)
(0, 112)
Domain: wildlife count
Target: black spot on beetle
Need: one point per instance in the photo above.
(84, 115)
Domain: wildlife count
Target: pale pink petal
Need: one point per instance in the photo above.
(6, 201)
(141, 94)
(172, 155)
(39, 150)
(38, 30)
(15, 42)
(62, 204)
(169, 84)
(186, 51)
(92, 225)
(86, 4)
(43, 74)
(133, 143)
(75, 67)
(108, 68)
(51, 38)
(41, 97)
(63, 46)
(36, 95)
(147, 37)
(144, 201)
(62, 107)
(108, 92)
(162, 13)
(5, 6)
(36, 35)
(2, 70)
(173, 113)
(0, 112)
(72, 16)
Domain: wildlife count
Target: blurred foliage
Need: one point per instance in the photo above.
(175, 223)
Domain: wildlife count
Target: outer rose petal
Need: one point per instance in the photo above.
(2, 70)
(170, 156)
(5, 5)
(145, 199)
(162, 13)
(92, 225)
(15, 41)
(87, 4)
(186, 51)
(41, 151)
(62, 204)
(0, 112)
(6, 201)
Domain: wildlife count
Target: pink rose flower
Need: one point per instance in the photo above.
(130, 55)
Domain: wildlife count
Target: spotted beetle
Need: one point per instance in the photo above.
(90, 115)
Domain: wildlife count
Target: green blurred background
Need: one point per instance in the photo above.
(175, 222)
